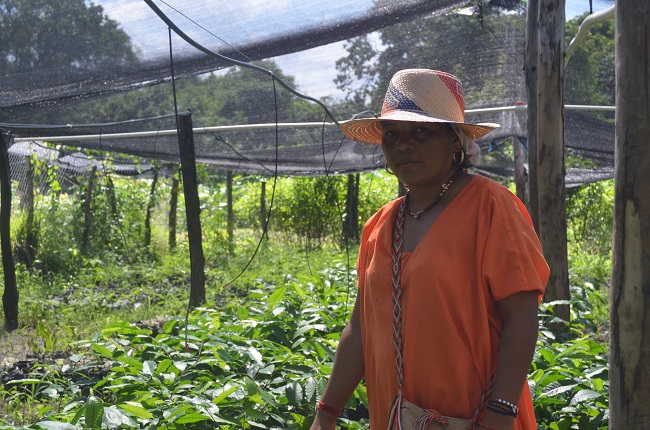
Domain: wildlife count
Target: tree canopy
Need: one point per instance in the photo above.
(59, 35)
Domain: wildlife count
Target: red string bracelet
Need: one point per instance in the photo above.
(327, 408)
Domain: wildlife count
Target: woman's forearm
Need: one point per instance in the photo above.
(346, 374)
(516, 349)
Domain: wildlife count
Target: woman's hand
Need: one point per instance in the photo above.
(492, 421)
(347, 371)
(323, 421)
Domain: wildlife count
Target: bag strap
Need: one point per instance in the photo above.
(397, 248)
(396, 281)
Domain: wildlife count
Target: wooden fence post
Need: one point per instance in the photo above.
(550, 152)
(173, 205)
(230, 214)
(520, 169)
(88, 216)
(532, 54)
(10, 296)
(629, 369)
(192, 209)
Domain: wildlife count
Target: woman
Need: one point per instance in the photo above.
(463, 297)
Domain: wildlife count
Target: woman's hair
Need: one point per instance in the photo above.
(469, 147)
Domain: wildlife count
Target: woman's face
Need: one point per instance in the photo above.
(420, 153)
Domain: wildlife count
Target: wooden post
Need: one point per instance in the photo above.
(351, 223)
(173, 205)
(10, 296)
(192, 209)
(150, 206)
(550, 152)
(629, 374)
(263, 212)
(520, 169)
(231, 213)
(532, 54)
(29, 249)
(85, 235)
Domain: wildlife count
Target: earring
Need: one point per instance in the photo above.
(462, 157)
(390, 172)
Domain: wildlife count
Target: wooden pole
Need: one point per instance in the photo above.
(231, 212)
(629, 374)
(150, 206)
(192, 209)
(532, 54)
(550, 152)
(520, 169)
(88, 216)
(173, 205)
(10, 296)
(29, 249)
(263, 212)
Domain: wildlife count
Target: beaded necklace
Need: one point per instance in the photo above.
(445, 187)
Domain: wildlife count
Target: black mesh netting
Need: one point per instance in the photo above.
(261, 128)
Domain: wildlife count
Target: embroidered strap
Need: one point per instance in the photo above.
(398, 246)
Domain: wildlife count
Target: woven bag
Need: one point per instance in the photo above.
(414, 417)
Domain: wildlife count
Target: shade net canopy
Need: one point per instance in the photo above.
(98, 76)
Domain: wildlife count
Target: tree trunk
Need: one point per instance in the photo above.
(532, 54)
(550, 152)
(173, 206)
(629, 373)
(10, 296)
(112, 198)
(351, 222)
(150, 206)
(88, 216)
(520, 169)
(192, 209)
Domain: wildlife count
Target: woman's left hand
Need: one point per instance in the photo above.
(492, 421)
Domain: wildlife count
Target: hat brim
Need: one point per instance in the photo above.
(368, 130)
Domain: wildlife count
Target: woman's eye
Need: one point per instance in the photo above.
(390, 133)
(420, 130)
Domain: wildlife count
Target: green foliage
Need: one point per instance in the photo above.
(261, 365)
(590, 219)
(569, 378)
(589, 76)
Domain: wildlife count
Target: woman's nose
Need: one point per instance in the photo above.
(404, 142)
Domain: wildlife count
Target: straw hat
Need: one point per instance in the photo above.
(418, 95)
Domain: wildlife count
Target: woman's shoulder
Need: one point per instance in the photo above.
(487, 183)
(482, 184)
(498, 195)
(383, 212)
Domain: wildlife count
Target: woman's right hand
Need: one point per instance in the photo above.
(323, 421)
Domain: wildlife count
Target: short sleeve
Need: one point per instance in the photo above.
(513, 260)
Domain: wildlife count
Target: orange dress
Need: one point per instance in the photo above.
(481, 249)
